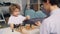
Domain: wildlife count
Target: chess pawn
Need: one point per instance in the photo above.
(27, 26)
(33, 26)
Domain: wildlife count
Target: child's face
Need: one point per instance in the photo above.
(16, 12)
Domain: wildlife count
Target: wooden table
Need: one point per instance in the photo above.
(29, 31)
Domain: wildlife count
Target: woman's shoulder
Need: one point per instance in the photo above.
(11, 17)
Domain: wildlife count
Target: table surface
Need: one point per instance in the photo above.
(8, 31)
(34, 31)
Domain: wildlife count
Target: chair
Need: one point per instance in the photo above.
(40, 14)
(30, 12)
(2, 17)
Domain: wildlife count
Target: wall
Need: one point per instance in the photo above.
(22, 3)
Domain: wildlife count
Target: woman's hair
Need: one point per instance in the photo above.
(13, 7)
(52, 2)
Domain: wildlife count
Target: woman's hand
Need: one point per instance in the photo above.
(38, 23)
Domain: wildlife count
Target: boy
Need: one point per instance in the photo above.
(15, 19)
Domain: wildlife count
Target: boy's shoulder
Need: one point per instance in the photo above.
(21, 16)
(11, 17)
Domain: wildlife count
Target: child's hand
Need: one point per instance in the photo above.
(27, 17)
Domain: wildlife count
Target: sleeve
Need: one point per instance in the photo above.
(45, 28)
(10, 21)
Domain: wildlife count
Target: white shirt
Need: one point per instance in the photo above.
(51, 25)
(16, 20)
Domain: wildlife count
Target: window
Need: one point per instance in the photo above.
(34, 4)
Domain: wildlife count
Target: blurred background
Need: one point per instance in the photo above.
(34, 8)
(4, 8)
